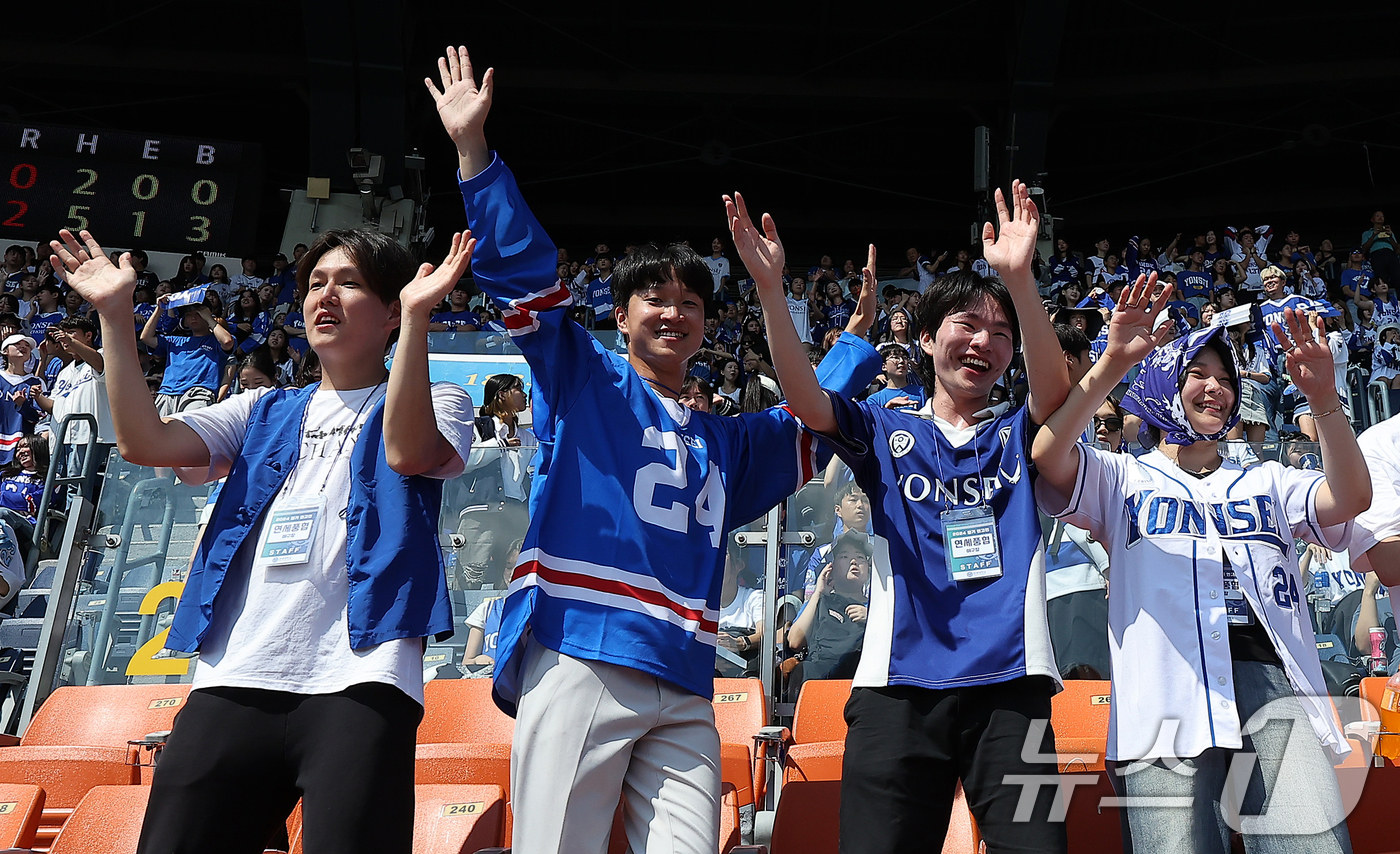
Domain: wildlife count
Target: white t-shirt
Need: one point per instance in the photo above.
(719, 269)
(801, 314)
(286, 628)
(745, 612)
(80, 389)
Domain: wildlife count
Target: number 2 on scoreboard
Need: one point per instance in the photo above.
(13, 220)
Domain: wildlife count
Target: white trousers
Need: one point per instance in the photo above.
(588, 734)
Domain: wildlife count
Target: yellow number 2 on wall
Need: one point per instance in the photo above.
(144, 662)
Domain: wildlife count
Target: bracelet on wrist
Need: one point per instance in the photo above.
(1334, 410)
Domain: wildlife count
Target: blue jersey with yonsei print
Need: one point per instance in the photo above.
(923, 628)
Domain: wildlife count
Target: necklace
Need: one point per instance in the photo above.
(663, 385)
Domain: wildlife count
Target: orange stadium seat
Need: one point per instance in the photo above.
(1079, 715)
(78, 739)
(464, 739)
(741, 710)
(808, 817)
(20, 810)
(821, 711)
(1371, 822)
(458, 819)
(106, 821)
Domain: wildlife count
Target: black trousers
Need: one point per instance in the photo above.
(238, 759)
(906, 749)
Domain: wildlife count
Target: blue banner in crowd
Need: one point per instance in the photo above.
(471, 371)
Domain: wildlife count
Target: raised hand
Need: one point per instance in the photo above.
(431, 286)
(1011, 251)
(461, 104)
(90, 272)
(864, 315)
(1310, 358)
(1130, 332)
(761, 251)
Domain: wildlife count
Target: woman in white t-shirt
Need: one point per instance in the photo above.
(740, 616)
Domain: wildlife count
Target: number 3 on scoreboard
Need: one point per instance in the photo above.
(200, 228)
(709, 503)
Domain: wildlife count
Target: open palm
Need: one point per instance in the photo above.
(1130, 331)
(431, 286)
(1011, 250)
(91, 273)
(461, 104)
(761, 251)
(1310, 359)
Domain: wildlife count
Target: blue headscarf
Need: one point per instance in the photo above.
(1155, 396)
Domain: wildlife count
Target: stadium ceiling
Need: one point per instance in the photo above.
(850, 122)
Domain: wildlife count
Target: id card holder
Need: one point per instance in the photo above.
(290, 530)
(1236, 609)
(970, 544)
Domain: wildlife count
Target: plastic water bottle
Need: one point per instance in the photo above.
(1322, 590)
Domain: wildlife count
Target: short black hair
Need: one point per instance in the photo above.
(1072, 339)
(140, 255)
(652, 265)
(957, 291)
(50, 286)
(856, 540)
(383, 262)
(81, 324)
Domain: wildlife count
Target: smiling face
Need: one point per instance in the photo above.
(971, 350)
(342, 314)
(664, 325)
(1207, 393)
(1072, 293)
(24, 455)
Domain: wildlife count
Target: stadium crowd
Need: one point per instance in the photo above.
(206, 337)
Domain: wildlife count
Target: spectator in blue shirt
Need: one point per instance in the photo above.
(899, 392)
(193, 361)
(458, 317)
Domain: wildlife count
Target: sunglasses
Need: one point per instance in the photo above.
(1112, 425)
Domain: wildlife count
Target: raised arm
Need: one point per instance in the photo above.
(763, 256)
(1130, 340)
(1347, 492)
(216, 327)
(463, 106)
(143, 437)
(1010, 254)
(149, 337)
(412, 442)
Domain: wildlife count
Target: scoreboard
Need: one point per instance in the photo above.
(154, 191)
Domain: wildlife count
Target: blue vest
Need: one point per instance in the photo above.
(397, 586)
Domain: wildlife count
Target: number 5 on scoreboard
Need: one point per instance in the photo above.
(709, 502)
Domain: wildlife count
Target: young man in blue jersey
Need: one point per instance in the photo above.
(957, 671)
(606, 649)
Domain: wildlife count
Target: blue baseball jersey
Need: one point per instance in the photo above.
(1064, 270)
(1271, 312)
(600, 297)
(1193, 283)
(634, 493)
(1357, 280)
(39, 323)
(924, 629)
